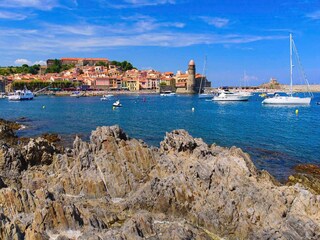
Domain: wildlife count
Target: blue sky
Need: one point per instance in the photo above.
(237, 36)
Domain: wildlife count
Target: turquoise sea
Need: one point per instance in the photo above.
(276, 138)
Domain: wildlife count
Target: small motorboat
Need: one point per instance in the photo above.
(19, 95)
(168, 93)
(106, 97)
(117, 104)
(75, 94)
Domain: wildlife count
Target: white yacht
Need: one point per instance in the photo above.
(226, 95)
(287, 100)
(168, 93)
(290, 99)
(244, 93)
(117, 104)
(106, 97)
(20, 95)
(3, 95)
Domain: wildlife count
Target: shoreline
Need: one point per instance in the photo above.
(94, 93)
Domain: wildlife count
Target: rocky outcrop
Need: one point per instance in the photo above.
(114, 187)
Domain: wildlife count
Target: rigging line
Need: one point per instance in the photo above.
(304, 76)
(203, 73)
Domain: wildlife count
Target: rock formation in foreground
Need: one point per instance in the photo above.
(114, 187)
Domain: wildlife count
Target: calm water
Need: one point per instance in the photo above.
(276, 137)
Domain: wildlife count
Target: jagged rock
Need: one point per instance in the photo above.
(114, 187)
(7, 135)
(12, 163)
(2, 184)
(38, 151)
(223, 193)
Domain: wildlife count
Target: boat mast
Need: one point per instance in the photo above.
(291, 66)
(203, 73)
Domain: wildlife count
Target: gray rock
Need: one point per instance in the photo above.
(114, 187)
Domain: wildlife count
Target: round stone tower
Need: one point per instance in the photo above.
(191, 77)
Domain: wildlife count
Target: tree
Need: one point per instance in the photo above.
(55, 67)
(100, 63)
(125, 65)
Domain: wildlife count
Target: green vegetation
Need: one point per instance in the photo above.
(124, 65)
(163, 84)
(102, 64)
(37, 84)
(58, 67)
(5, 71)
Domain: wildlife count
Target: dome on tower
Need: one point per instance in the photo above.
(191, 63)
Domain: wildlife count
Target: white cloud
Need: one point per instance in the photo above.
(216, 21)
(38, 4)
(79, 29)
(22, 61)
(63, 44)
(12, 16)
(137, 3)
(40, 62)
(314, 15)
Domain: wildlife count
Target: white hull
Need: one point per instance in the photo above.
(117, 104)
(226, 95)
(167, 94)
(249, 94)
(21, 95)
(231, 98)
(106, 97)
(287, 100)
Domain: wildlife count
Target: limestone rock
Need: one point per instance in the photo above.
(38, 151)
(114, 187)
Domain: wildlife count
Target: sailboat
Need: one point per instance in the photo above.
(204, 95)
(244, 93)
(290, 99)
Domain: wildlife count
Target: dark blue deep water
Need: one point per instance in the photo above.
(276, 138)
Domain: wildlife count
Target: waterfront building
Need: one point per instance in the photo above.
(79, 61)
(102, 83)
(201, 81)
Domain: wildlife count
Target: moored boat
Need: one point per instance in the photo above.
(168, 93)
(106, 97)
(226, 95)
(20, 95)
(75, 94)
(290, 99)
(3, 95)
(117, 104)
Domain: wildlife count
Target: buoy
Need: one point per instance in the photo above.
(297, 111)
(43, 106)
(192, 109)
